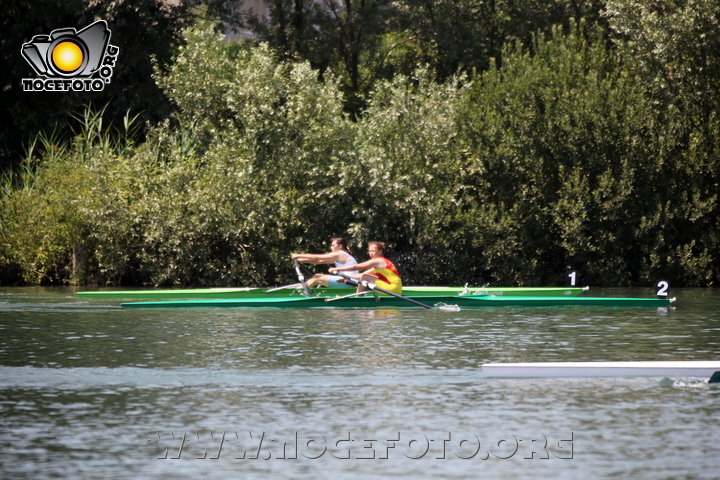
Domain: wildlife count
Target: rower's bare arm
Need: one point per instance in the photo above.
(315, 258)
(366, 265)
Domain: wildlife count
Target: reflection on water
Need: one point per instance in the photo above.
(89, 390)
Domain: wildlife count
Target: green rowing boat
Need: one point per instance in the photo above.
(370, 301)
(236, 293)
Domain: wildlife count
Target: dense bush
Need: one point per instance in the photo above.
(560, 148)
(557, 158)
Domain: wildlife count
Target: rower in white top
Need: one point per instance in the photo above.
(339, 255)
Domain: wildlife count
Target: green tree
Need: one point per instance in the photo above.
(559, 171)
(363, 41)
(407, 174)
(675, 46)
(344, 37)
(675, 43)
(466, 35)
(67, 216)
(261, 176)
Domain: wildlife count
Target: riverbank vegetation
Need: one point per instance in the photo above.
(592, 145)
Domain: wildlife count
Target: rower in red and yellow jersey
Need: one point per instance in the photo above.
(380, 271)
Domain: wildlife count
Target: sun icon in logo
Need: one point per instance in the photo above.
(67, 56)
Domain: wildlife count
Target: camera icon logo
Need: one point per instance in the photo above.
(71, 60)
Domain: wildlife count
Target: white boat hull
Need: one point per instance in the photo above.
(602, 369)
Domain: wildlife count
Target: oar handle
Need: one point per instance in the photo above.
(301, 278)
(374, 287)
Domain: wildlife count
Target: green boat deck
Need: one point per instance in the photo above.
(254, 292)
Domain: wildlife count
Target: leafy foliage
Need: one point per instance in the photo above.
(565, 154)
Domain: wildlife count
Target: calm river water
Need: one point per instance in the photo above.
(89, 390)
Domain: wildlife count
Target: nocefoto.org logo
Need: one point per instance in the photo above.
(70, 60)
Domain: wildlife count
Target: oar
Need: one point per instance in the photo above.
(301, 278)
(356, 294)
(374, 287)
(292, 285)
